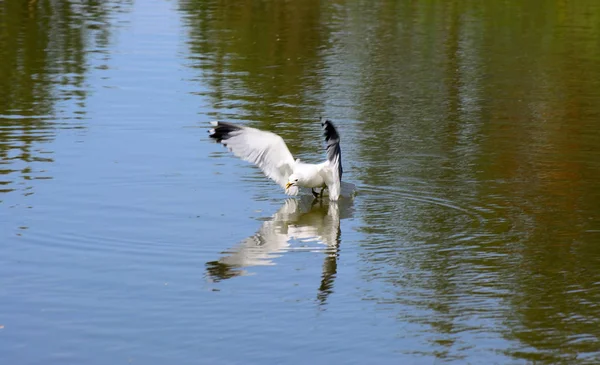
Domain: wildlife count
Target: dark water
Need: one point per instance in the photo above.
(472, 130)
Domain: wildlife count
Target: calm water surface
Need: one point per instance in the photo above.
(471, 129)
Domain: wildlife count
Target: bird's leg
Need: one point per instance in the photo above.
(322, 190)
(315, 200)
(315, 194)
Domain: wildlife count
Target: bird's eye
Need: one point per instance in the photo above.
(296, 180)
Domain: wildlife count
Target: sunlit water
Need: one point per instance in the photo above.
(471, 130)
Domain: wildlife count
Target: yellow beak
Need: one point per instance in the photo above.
(287, 186)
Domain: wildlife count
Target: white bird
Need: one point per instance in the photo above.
(269, 152)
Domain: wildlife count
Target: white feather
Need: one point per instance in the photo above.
(266, 150)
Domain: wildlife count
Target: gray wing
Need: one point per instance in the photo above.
(266, 150)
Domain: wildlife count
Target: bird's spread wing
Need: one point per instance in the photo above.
(334, 156)
(266, 150)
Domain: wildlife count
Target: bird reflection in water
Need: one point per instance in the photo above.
(297, 224)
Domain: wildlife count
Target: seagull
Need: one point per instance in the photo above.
(269, 152)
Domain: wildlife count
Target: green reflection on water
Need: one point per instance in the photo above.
(44, 48)
(477, 145)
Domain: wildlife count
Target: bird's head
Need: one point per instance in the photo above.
(292, 181)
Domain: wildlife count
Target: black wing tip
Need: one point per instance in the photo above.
(222, 130)
(330, 131)
(332, 139)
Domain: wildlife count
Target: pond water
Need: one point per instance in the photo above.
(470, 128)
